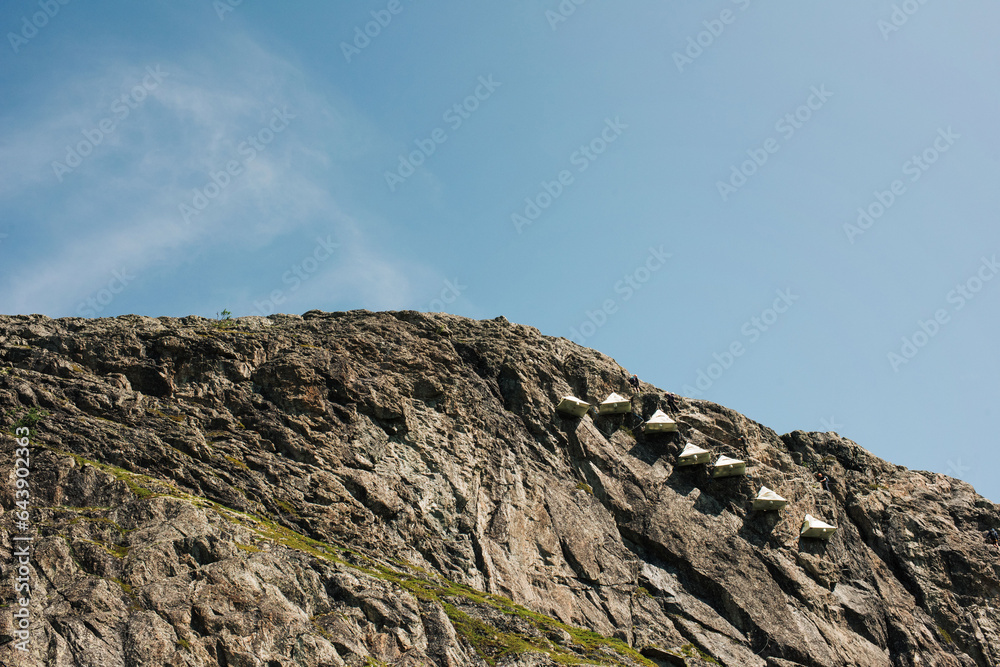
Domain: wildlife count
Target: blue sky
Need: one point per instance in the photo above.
(790, 210)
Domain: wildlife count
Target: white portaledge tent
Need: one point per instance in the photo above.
(572, 405)
(615, 405)
(692, 455)
(768, 500)
(728, 467)
(813, 527)
(660, 423)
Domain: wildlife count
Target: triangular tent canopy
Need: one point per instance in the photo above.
(768, 500)
(660, 422)
(728, 467)
(572, 405)
(693, 454)
(615, 405)
(813, 527)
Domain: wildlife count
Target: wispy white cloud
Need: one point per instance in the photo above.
(365, 277)
(121, 206)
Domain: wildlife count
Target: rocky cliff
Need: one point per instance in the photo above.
(396, 488)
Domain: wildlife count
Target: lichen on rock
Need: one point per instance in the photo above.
(397, 488)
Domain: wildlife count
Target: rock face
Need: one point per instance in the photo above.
(397, 488)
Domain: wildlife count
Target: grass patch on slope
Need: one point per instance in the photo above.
(489, 642)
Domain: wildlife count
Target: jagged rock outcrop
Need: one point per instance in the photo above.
(366, 488)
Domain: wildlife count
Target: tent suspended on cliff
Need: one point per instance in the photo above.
(728, 467)
(615, 405)
(813, 527)
(693, 454)
(660, 423)
(573, 406)
(768, 500)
